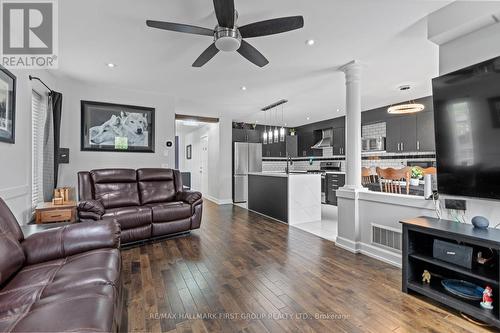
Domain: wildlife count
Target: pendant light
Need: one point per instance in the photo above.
(264, 135)
(276, 132)
(270, 132)
(282, 129)
(406, 108)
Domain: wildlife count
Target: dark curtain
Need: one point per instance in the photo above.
(52, 137)
(56, 100)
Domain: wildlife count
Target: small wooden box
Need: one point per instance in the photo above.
(47, 212)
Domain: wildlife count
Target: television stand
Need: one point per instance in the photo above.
(418, 239)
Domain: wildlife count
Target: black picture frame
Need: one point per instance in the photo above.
(189, 152)
(7, 106)
(132, 128)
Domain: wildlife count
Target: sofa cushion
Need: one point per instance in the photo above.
(85, 284)
(115, 187)
(156, 185)
(170, 211)
(172, 227)
(130, 217)
(12, 256)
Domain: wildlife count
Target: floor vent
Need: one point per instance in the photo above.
(386, 236)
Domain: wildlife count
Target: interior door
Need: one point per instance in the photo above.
(204, 165)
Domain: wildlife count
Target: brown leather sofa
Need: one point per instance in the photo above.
(60, 280)
(147, 203)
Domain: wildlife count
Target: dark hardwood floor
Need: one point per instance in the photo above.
(244, 273)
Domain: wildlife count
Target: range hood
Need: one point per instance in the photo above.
(326, 140)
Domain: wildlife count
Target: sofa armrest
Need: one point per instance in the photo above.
(190, 197)
(91, 206)
(69, 240)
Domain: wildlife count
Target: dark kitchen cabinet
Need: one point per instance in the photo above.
(254, 136)
(247, 135)
(291, 146)
(393, 135)
(339, 141)
(401, 134)
(408, 133)
(333, 182)
(239, 135)
(425, 132)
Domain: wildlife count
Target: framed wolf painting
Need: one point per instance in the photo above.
(118, 128)
(7, 106)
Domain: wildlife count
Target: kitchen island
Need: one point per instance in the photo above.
(291, 198)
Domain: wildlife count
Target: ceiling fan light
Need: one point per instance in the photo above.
(227, 44)
(406, 108)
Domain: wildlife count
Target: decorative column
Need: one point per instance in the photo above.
(352, 72)
(349, 233)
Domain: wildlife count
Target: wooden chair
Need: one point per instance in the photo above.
(390, 179)
(428, 171)
(367, 177)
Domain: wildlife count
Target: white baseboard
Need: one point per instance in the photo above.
(369, 250)
(384, 255)
(347, 244)
(218, 201)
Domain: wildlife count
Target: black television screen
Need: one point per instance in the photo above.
(467, 126)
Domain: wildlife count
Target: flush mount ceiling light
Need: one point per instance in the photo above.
(405, 108)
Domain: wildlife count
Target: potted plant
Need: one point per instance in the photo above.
(416, 175)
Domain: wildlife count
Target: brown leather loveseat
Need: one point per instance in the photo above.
(60, 280)
(147, 203)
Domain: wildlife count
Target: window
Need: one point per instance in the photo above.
(38, 116)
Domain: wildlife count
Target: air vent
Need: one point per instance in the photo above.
(386, 236)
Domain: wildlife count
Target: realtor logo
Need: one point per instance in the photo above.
(29, 34)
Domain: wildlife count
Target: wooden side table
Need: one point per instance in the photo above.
(47, 212)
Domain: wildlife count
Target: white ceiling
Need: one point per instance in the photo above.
(388, 36)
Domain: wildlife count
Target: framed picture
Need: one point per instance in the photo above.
(116, 127)
(189, 150)
(7, 106)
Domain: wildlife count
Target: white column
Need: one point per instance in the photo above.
(352, 72)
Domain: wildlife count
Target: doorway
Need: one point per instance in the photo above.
(197, 140)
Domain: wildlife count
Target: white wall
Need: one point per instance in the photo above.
(15, 159)
(74, 92)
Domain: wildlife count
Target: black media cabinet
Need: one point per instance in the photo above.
(418, 239)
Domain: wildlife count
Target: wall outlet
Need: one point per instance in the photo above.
(455, 204)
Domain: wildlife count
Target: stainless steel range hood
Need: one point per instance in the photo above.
(326, 140)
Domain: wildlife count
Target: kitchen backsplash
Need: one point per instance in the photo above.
(374, 130)
(372, 160)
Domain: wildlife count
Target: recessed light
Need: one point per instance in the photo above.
(310, 42)
(308, 118)
(338, 110)
(111, 65)
(243, 88)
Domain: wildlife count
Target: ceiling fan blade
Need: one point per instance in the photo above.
(178, 27)
(271, 27)
(205, 57)
(224, 10)
(251, 53)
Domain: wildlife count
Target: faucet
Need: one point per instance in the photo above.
(289, 162)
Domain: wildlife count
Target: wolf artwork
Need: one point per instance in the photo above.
(131, 125)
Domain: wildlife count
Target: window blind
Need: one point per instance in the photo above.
(38, 115)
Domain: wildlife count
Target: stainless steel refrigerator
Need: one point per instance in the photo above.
(247, 158)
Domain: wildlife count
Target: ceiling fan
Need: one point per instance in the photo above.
(229, 37)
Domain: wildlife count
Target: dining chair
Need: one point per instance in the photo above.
(390, 179)
(367, 176)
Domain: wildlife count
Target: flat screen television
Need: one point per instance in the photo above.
(467, 126)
